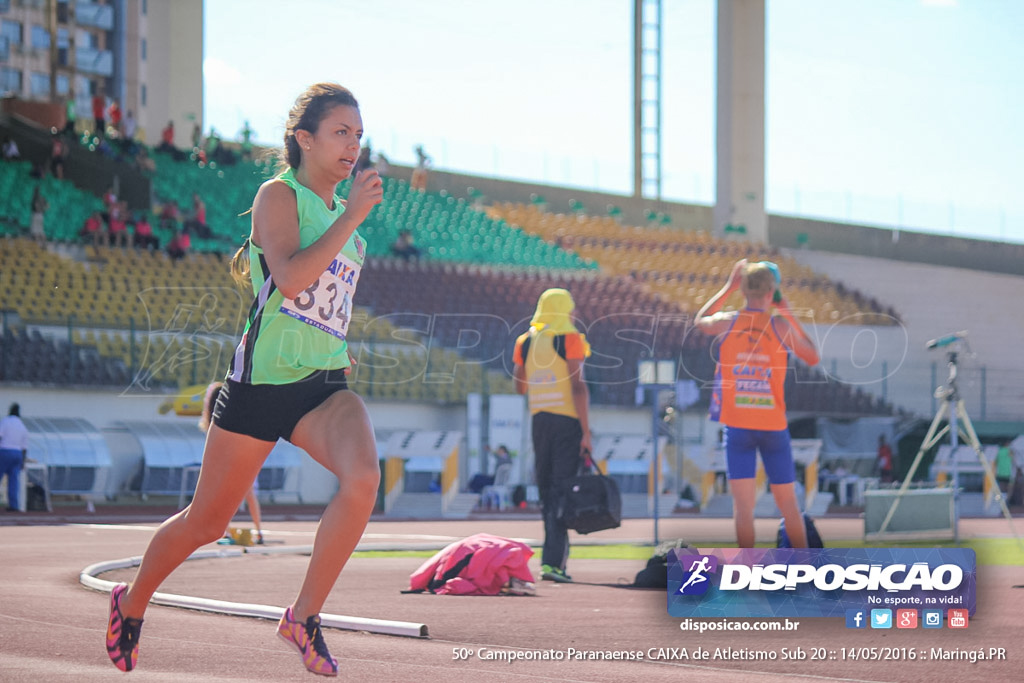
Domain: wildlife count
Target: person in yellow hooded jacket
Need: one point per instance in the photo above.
(548, 368)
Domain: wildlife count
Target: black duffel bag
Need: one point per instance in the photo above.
(590, 501)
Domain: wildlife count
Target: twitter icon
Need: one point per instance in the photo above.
(881, 618)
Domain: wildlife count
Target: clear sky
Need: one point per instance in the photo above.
(902, 113)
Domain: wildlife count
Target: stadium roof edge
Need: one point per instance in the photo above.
(895, 243)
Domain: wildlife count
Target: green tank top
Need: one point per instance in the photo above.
(286, 340)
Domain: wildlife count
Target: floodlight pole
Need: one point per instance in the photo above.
(647, 67)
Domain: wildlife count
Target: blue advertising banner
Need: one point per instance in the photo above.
(818, 582)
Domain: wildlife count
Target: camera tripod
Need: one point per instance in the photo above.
(958, 424)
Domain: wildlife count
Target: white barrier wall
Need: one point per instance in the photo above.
(104, 409)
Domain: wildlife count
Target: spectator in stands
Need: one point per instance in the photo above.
(884, 460)
(145, 162)
(118, 225)
(212, 145)
(501, 457)
(13, 452)
(104, 148)
(109, 200)
(549, 370)
(37, 226)
(382, 164)
(130, 127)
(365, 159)
(58, 155)
(10, 149)
(197, 137)
(252, 501)
(170, 216)
(246, 140)
(404, 248)
(749, 394)
(114, 115)
(419, 174)
(70, 117)
(144, 236)
(215, 150)
(167, 139)
(197, 222)
(99, 105)
(93, 228)
(303, 229)
(179, 245)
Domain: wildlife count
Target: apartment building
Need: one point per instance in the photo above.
(146, 54)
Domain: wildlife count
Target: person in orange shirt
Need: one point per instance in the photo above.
(549, 370)
(749, 397)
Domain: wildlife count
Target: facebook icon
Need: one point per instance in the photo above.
(856, 618)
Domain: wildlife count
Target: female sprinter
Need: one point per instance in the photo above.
(287, 377)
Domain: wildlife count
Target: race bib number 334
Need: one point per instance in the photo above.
(327, 303)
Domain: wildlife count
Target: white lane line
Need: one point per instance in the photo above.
(146, 527)
(88, 578)
(428, 540)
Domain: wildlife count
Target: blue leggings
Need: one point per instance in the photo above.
(10, 464)
(742, 445)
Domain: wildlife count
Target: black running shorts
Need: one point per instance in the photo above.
(269, 412)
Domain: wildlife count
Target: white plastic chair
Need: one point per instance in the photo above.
(498, 496)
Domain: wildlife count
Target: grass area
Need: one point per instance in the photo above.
(394, 553)
(990, 551)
